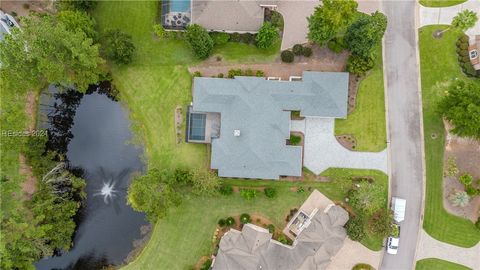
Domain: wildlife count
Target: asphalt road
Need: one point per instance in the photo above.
(404, 115)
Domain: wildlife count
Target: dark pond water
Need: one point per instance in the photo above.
(98, 144)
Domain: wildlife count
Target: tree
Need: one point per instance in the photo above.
(358, 65)
(461, 106)
(153, 194)
(381, 222)
(368, 197)
(267, 35)
(84, 5)
(118, 46)
(462, 21)
(199, 40)
(459, 198)
(355, 228)
(45, 52)
(75, 20)
(329, 19)
(364, 35)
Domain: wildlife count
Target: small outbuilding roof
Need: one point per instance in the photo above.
(255, 119)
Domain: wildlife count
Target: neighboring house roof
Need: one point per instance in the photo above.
(258, 110)
(229, 15)
(253, 248)
(7, 22)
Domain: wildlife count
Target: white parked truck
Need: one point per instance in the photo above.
(398, 207)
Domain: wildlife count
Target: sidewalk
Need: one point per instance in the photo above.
(429, 247)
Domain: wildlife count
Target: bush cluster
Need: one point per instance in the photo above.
(245, 218)
(359, 66)
(467, 181)
(355, 228)
(248, 194)
(287, 56)
(247, 38)
(295, 140)
(270, 192)
(463, 57)
(220, 38)
(297, 50)
(225, 189)
(244, 72)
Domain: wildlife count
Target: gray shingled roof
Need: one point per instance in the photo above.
(260, 110)
(253, 248)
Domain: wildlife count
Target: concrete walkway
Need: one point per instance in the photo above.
(429, 247)
(353, 253)
(429, 16)
(295, 13)
(323, 151)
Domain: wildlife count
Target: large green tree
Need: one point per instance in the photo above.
(118, 46)
(461, 106)
(75, 20)
(330, 18)
(199, 40)
(365, 34)
(44, 52)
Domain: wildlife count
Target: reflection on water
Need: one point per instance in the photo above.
(98, 145)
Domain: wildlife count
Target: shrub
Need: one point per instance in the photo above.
(245, 218)
(183, 176)
(307, 51)
(159, 30)
(355, 228)
(234, 72)
(199, 40)
(459, 198)
(220, 38)
(367, 197)
(297, 49)
(248, 194)
(463, 38)
(463, 46)
(271, 228)
(300, 189)
(471, 190)
(260, 73)
(235, 37)
(358, 65)
(451, 168)
(477, 224)
(230, 221)
(276, 19)
(206, 265)
(282, 239)
(295, 140)
(336, 45)
(363, 266)
(118, 46)
(247, 38)
(220, 75)
(270, 192)
(267, 35)
(248, 72)
(466, 179)
(287, 56)
(225, 189)
(222, 222)
(197, 74)
(380, 223)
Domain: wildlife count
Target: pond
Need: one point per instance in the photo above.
(98, 143)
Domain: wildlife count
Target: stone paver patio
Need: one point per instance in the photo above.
(323, 151)
(429, 16)
(429, 247)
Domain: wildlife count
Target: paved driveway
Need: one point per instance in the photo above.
(445, 15)
(404, 125)
(295, 13)
(322, 150)
(432, 248)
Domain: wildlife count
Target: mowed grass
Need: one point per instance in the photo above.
(180, 239)
(240, 52)
(437, 264)
(441, 3)
(367, 122)
(438, 62)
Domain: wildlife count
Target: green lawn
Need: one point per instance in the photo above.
(438, 66)
(437, 264)
(440, 3)
(239, 52)
(185, 235)
(367, 122)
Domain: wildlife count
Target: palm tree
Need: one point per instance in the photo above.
(462, 21)
(459, 198)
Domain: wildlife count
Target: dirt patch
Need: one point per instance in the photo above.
(29, 186)
(179, 124)
(322, 59)
(353, 82)
(348, 141)
(23, 8)
(466, 154)
(139, 244)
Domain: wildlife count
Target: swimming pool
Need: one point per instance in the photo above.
(179, 5)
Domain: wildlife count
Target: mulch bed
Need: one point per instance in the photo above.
(348, 141)
(178, 124)
(353, 82)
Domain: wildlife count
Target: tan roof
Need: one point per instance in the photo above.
(229, 15)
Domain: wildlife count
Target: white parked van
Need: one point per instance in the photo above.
(398, 207)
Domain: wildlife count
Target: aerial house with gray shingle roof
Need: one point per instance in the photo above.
(247, 120)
